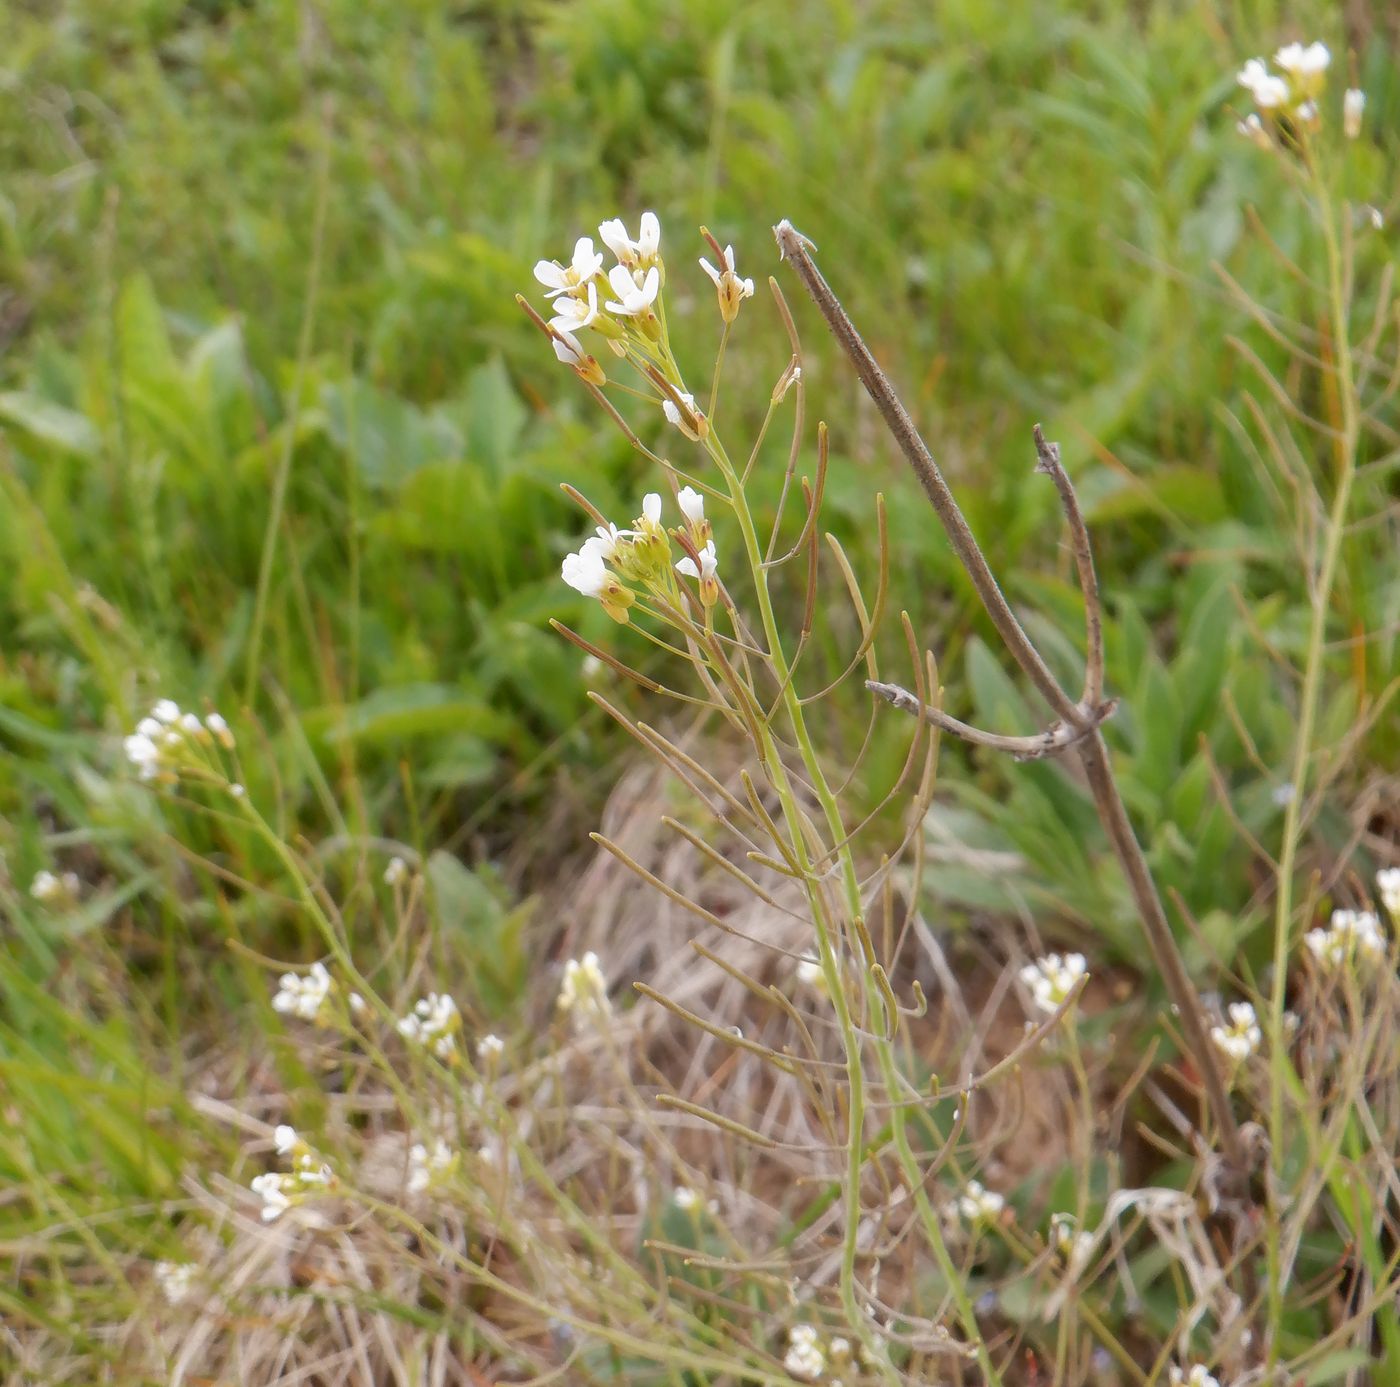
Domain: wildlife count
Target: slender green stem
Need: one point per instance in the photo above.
(1346, 446)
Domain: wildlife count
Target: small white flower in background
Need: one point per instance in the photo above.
(220, 730)
(52, 890)
(1352, 935)
(489, 1049)
(175, 1279)
(1283, 794)
(571, 314)
(809, 974)
(166, 710)
(304, 996)
(584, 989)
(427, 1166)
(634, 296)
(731, 289)
(690, 1201)
(309, 1174)
(285, 1139)
(1252, 128)
(1051, 979)
(1353, 109)
(1388, 884)
(642, 252)
(1305, 64)
(978, 1205)
(1307, 113)
(275, 1200)
(804, 1357)
(1242, 1037)
(1268, 91)
(396, 873)
(433, 1022)
(162, 740)
(1195, 1376)
(689, 420)
(558, 279)
(1072, 1244)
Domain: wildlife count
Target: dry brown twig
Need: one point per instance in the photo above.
(1078, 725)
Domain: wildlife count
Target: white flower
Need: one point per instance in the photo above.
(1196, 1376)
(686, 1199)
(396, 872)
(643, 250)
(1306, 114)
(585, 572)
(490, 1048)
(572, 313)
(1388, 884)
(978, 1205)
(1074, 1246)
(1298, 61)
(604, 541)
(731, 289)
(191, 726)
(46, 887)
(692, 505)
(673, 415)
(1267, 90)
(303, 997)
(1242, 1037)
(143, 754)
(634, 297)
(809, 974)
(166, 711)
(709, 564)
(1252, 128)
(220, 729)
(1351, 935)
(651, 508)
(274, 1197)
(175, 1280)
(426, 1167)
(1052, 978)
(558, 280)
(584, 989)
(433, 1022)
(1353, 108)
(804, 1357)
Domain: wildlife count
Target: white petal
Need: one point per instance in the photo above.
(649, 239)
(710, 270)
(651, 507)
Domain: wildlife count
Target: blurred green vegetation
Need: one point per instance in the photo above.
(238, 234)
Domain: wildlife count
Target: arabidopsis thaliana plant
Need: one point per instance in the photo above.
(574, 312)
(559, 279)
(709, 565)
(427, 1166)
(692, 506)
(1388, 884)
(1300, 61)
(689, 420)
(1052, 978)
(1352, 935)
(433, 1022)
(567, 349)
(1267, 90)
(978, 1205)
(303, 996)
(51, 889)
(175, 1280)
(643, 251)
(804, 1357)
(584, 990)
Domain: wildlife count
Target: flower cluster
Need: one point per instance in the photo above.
(1351, 936)
(434, 1022)
(56, 890)
(1242, 1037)
(732, 290)
(428, 1166)
(1051, 979)
(1292, 93)
(805, 1357)
(690, 1201)
(1071, 1242)
(307, 997)
(489, 1050)
(309, 1175)
(611, 559)
(980, 1206)
(175, 1279)
(584, 990)
(1195, 1376)
(165, 740)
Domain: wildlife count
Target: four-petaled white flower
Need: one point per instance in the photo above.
(285, 1139)
(585, 571)
(1353, 108)
(490, 1048)
(731, 289)
(709, 564)
(1052, 978)
(559, 279)
(304, 996)
(584, 989)
(804, 1357)
(978, 1205)
(572, 313)
(651, 508)
(395, 872)
(1351, 936)
(635, 296)
(274, 1196)
(51, 889)
(643, 251)
(1267, 90)
(692, 505)
(1242, 1037)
